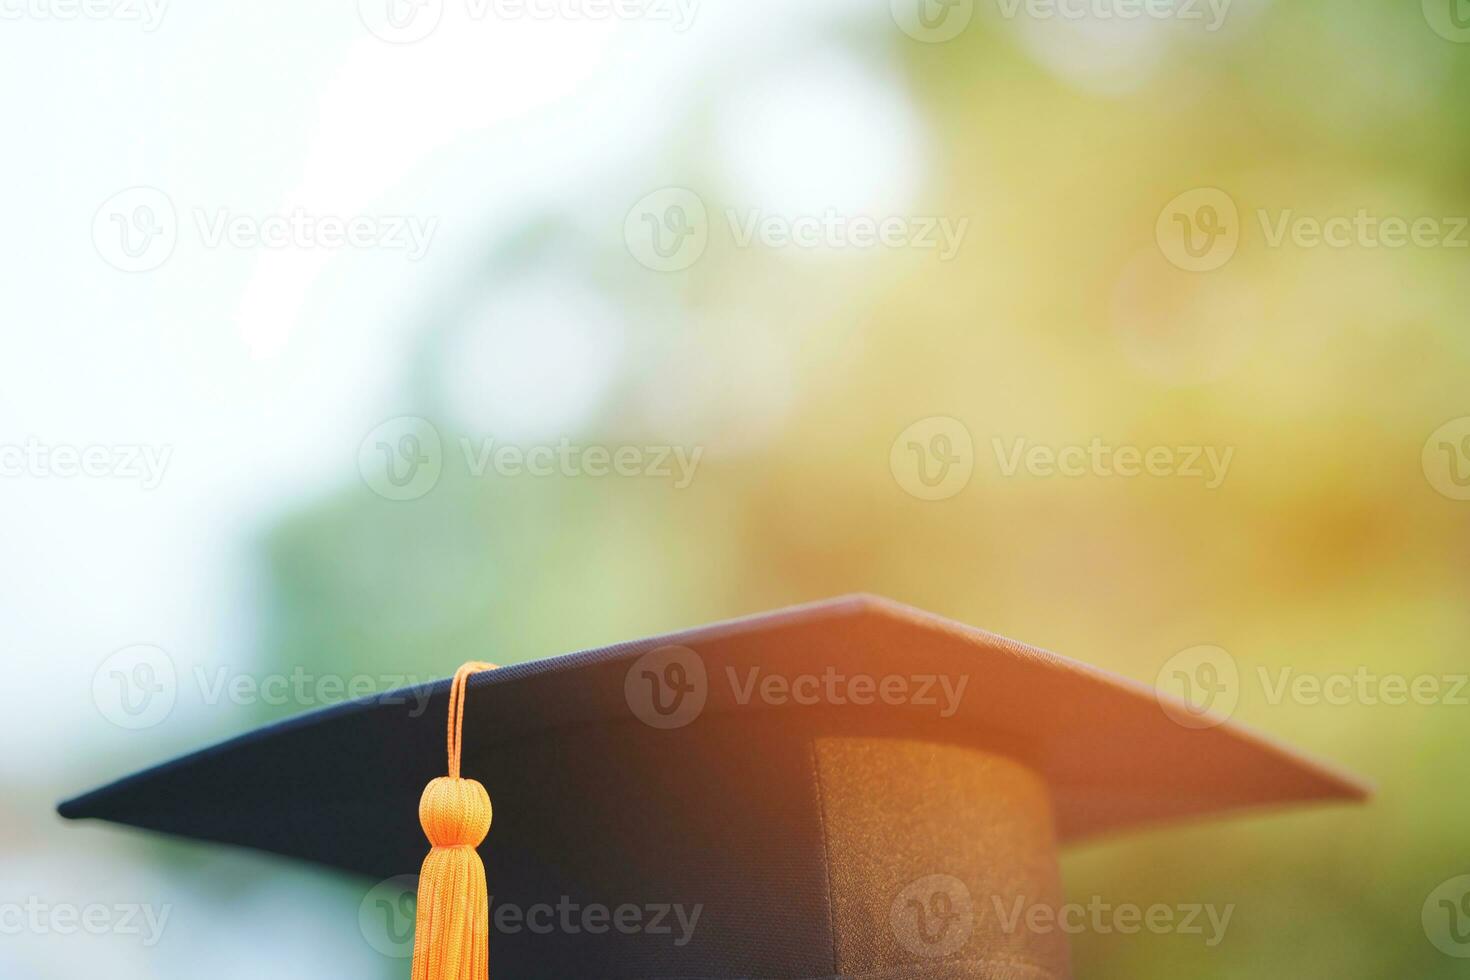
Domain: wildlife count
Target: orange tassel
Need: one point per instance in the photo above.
(452, 936)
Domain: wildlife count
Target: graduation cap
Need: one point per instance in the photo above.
(842, 789)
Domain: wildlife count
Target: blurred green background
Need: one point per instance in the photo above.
(1336, 542)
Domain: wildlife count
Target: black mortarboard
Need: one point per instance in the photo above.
(837, 789)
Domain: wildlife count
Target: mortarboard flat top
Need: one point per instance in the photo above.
(794, 774)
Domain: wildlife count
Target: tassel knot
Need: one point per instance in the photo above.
(455, 812)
